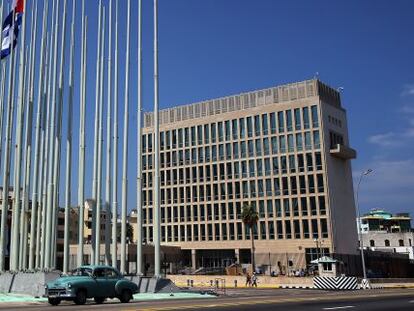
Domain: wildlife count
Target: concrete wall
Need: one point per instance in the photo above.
(339, 185)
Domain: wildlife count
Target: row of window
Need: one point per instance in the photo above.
(264, 230)
(236, 150)
(277, 208)
(263, 124)
(388, 244)
(299, 163)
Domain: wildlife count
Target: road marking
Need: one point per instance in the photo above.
(337, 308)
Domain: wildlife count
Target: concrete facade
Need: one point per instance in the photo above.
(398, 242)
(284, 149)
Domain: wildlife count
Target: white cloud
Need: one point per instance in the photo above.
(389, 139)
(408, 90)
(389, 186)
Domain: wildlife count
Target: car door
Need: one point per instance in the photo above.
(102, 288)
(112, 278)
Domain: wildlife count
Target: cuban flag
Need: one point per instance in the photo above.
(10, 29)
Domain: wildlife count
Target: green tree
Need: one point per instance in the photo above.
(250, 218)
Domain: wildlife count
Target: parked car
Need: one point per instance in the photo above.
(97, 282)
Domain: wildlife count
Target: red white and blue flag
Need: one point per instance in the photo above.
(10, 29)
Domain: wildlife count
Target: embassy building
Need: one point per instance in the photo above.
(283, 149)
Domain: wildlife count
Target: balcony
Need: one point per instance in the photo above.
(343, 152)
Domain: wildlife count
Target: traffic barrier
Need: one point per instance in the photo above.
(336, 283)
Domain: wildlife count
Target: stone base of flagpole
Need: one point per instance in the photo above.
(26, 283)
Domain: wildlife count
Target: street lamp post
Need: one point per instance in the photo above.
(361, 243)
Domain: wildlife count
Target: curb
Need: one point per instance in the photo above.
(297, 287)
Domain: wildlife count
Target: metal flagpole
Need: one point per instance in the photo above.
(69, 143)
(52, 131)
(125, 149)
(2, 83)
(14, 254)
(58, 138)
(115, 156)
(25, 148)
(28, 143)
(95, 147)
(45, 158)
(81, 168)
(7, 154)
(35, 181)
(157, 226)
(139, 144)
(100, 132)
(108, 146)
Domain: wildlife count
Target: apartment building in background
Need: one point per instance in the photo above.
(386, 232)
(283, 149)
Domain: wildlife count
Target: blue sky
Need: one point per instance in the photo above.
(213, 48)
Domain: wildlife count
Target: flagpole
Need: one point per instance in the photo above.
(157, 226)
(81, 167)
(52, 132)
(28, 143)
(139, 144)
(125, 147)
(115, 156)
(45, 157)
(25, 150)
(36, 180)
(100, 132)
(6, 171)
(69, 143)
(58, 138)
(14, 255)
(108, 145)
(96, 138)
(2, 84)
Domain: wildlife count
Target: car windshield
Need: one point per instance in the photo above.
(82, 272)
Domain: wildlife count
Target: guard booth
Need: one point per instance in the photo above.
(328, 266)
(331, 275)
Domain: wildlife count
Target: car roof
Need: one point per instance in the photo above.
(93, 267)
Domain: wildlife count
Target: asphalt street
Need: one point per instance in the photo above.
(253, 299)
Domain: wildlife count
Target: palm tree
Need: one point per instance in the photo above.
(250, 218)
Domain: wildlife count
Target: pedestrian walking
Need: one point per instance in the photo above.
(248, 279)
(254, 279)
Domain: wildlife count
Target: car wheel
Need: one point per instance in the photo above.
(126, 296)
(99, 300)
(80, 298)
(53, 301)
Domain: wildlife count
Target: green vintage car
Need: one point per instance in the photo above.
(97, 282)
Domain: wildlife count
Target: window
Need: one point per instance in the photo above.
(401, 242)
(228, 131)
(315, 118)
(299, 142)
(220, 131)
(266, 146)
(242, 128)
(257, 125)
(273, 123)
(234, 128)
(281, 121)
(289, 120)
(387, 242)
(213, 132)
(274, 145)
(306, 117)
(291, 145)
(249, 126)
(297, 119)
(264, 124)
(316, 140)
(372, 243)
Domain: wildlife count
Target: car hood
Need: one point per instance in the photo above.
(64, 280)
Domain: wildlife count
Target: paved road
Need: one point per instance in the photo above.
(257, 300)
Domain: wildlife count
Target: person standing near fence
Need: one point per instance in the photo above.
(248, 280)
(254, 279)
